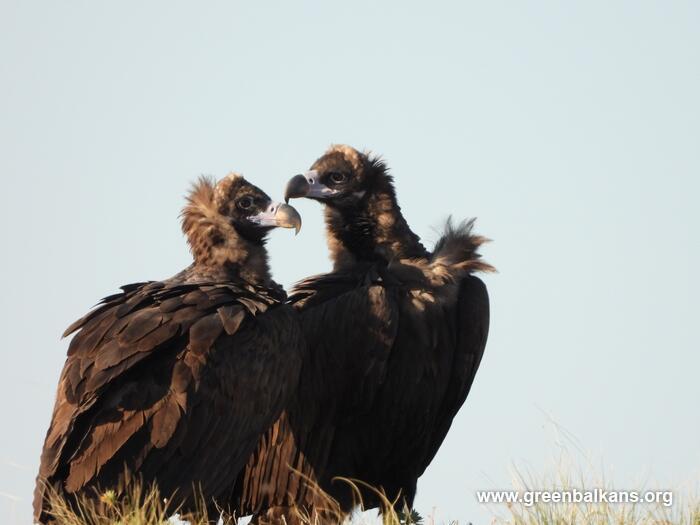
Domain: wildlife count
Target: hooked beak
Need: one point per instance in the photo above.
(307, 185)
(280, 215)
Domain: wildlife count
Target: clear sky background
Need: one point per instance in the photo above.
(570, 129)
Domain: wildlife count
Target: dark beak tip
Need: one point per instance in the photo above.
(297, 187)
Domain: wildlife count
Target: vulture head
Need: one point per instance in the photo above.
(226, 223)
(363, 218)
(341, 178)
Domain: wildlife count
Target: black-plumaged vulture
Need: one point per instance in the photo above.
(395, 333)
(174, 381)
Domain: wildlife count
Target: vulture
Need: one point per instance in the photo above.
(395, 336)
(173, 382)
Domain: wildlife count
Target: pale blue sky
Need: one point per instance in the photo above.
(570, 129)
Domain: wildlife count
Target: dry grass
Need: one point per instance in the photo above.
(138, 506)
(573, 469)
(147, 507)
(680, 512)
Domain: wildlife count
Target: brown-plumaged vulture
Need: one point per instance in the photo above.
(395, 334)
(173, 382)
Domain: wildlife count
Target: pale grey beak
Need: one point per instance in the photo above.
(307, 185)
(280, 215)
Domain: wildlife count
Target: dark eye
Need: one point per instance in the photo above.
(336, 176)
(245, 203)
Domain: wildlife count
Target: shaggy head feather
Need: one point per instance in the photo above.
(217, 229)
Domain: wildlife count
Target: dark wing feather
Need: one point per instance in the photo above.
(349, 323)
(472, 327)
(175, 382)
(433, 362)
(350, 319)
(391, 365)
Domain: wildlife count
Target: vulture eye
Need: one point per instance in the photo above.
(336, 176)
(245, 203)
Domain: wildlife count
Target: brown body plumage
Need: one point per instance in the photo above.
(173, 382)
(395, 333)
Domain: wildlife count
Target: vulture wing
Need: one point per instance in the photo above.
(392, 356)
(170, 382)
(350, 320)
(471, 315)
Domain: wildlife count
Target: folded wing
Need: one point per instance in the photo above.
(172, 383)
